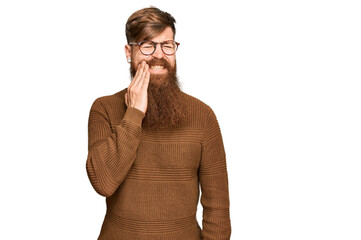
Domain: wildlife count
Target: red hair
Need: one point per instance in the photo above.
(146, 23)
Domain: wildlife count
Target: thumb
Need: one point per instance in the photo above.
(126, 99)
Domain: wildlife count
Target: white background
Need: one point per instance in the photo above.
(283, 78)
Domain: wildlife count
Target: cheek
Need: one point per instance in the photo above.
(171, 61)
(137, 58)
(135, 63)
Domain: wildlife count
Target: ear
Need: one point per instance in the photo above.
(128, 51)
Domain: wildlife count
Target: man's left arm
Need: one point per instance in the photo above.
(214, 183)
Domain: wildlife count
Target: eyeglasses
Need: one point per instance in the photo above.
(148, 47)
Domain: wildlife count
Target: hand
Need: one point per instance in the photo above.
(137, 94)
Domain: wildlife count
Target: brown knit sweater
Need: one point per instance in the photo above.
(151, 178)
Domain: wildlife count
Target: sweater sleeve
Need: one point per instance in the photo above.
(214, 184)
(111, 154)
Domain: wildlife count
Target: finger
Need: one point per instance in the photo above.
(134, 77)
(137, 74)
(146, 80)
(139, 81)
(146, 70)
(140, 71)
(142, 67)
(126, 98)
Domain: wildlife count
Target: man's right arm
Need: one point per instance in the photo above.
(111, 154)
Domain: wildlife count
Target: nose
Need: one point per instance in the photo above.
(158, 53)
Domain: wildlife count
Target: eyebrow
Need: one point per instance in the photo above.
(158, 42)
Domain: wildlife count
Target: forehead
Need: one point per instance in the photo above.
(167, 34)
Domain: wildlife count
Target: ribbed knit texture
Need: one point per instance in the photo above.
(151, 178)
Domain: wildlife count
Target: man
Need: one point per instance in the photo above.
(151, 145)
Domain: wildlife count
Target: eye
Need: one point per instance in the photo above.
(147, 45)
(169, 45)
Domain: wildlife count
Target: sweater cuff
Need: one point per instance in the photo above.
(134, 115)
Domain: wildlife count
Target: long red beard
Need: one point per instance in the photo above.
(166, 103)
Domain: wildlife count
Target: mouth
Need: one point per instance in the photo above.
(157, 67)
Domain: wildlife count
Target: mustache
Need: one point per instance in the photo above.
(152, 62)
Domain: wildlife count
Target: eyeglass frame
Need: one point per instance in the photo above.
(155, 46)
